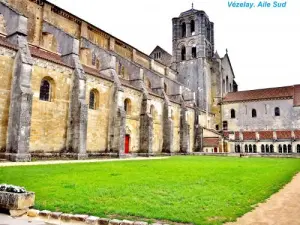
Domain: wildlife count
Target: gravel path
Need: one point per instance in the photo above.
(282, 208)
(3, 164)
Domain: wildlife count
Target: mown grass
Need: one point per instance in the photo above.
(198, 190)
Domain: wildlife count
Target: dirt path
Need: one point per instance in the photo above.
(4, 164)
(283, 208)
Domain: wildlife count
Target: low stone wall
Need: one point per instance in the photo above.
(77, 219)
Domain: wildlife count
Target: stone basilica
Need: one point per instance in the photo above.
(69, 89)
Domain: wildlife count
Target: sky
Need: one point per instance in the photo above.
(263, 43)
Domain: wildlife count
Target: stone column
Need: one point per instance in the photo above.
(184, 132)
(19, 122)
(117, 119)
(198, 145)
(168, 128)
(78, 116)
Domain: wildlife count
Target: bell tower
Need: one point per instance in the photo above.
(193, 45)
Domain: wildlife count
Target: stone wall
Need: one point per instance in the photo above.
(6, 68)
(50, 118)
(266, 120)
(77, 59)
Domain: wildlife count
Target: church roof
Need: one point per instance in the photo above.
(291, 92)
(160, 49)
(211, 142)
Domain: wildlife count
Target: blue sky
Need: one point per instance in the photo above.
(263, 43)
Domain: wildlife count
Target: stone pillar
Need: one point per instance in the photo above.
(117, 119)
(19, 122)
(77, 132)
(167, 129)
(184, 132)
(117, 122)
(198, 145)
(146, 129)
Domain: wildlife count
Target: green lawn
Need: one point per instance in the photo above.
(199, 190)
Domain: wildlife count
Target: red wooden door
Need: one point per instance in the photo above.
(215, 150)
(127, 140)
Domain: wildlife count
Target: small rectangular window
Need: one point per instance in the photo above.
(194, 52)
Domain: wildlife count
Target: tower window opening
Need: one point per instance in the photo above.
(192, 27)
(194, 52)
(183, 53)
(183, 30)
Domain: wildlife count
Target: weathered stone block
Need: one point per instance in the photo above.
(115, 222)
(127, 222)
(140, 223)
(16, 201)
(44, 214)
(103, 221)
(93, 220)
(65, 217)
(79, 218)
(33, 213)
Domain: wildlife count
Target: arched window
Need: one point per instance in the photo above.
(225, 125)
(194, 52)
(298, 148)
(289, 148)
(45, 90)
(284, 149)
(183, 53)
(246, 148)
(272, 148)
(254, 114)
(267, 149)
(192, 27)
(262, 147)
(238, 148)
(277, 111)
(127, 106)
(250, 148)
(280, 149)
(254, 149)
(232, 113)
(94, 99)
(183, 30)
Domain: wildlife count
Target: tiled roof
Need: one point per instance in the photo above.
(5, 43)
(263, 94)
(249, 135)
(265, 135)
(286, 134)
(297, 134)
(46, 55)
(211, 142)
